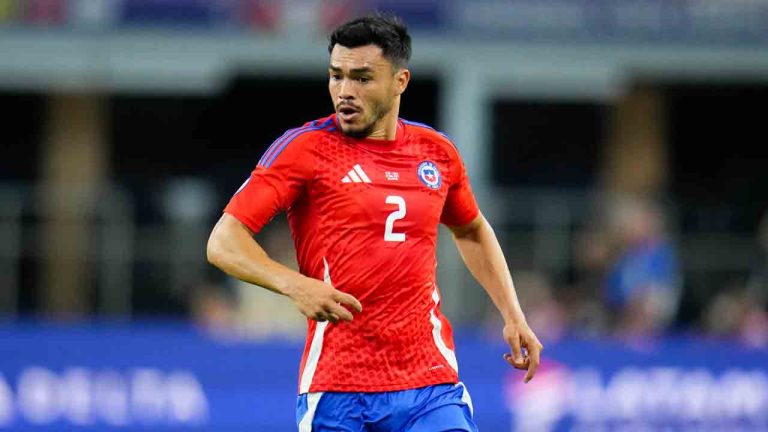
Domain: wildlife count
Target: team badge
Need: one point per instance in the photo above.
(429, 174)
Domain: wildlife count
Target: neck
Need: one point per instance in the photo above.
(386, 127)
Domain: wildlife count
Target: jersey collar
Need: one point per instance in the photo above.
(373, 142)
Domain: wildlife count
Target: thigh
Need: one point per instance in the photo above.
(328, 412)
(448, 410)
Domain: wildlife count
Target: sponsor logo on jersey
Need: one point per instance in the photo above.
(356, 175)
(392, 175)
(429, 174)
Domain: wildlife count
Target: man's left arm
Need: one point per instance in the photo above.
(484, 258)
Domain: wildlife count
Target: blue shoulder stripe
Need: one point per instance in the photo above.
(413, 123)
(276, 143)
(289, 138)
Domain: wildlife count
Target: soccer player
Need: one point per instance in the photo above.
(365, 191)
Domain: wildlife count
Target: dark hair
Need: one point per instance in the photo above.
(387, 32)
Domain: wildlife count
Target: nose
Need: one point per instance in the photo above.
(345, 90)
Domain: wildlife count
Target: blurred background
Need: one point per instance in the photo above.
(617, 147)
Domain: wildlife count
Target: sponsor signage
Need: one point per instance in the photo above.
(172, 377)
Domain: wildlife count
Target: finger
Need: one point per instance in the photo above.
(534, 354)
(348, 300)
(517, 350)
(531, 371)
(332, 317)
(517, 365)
(340, 311)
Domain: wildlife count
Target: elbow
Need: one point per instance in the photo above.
(225, 244)
(213, 250)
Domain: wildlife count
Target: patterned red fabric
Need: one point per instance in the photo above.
(365, 213)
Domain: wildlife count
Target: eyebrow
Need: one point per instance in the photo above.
(352, 71)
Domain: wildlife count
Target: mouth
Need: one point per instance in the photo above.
(348, 113)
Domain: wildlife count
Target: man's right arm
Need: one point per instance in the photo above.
(232, 248)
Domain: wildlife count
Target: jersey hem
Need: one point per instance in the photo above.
(461, 223)
(362, 388)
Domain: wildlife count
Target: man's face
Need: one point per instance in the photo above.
(363, 86)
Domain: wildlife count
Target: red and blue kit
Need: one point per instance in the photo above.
(364, 216)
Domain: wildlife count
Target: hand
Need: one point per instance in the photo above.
(520, 336)
(322, 302)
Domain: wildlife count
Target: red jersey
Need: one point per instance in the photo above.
(364, 217)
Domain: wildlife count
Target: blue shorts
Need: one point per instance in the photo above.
(437, 408)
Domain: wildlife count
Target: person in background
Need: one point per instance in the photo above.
(757, 285)
(642, 284)
(740, 310)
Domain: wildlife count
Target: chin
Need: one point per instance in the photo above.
(356, 131)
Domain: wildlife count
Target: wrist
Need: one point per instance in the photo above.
(515, 319)
(285, 283)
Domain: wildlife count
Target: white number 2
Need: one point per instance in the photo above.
(398, 214)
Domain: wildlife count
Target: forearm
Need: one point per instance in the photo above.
(232, 249)
(484, 258)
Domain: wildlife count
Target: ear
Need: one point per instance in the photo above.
(402, 77)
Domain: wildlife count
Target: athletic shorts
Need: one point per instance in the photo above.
(437, 408)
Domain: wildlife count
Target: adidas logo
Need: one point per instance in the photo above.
(356, 175)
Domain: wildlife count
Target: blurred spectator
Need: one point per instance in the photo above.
(587, 314)
(642, 282)
(735, 313)
(740, 311)
(757, 285)
(213, 307)
(543, 310)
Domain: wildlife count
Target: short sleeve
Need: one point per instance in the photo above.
(278, 180)
(460, 205)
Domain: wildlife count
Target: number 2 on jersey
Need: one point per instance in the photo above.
(389, 234)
